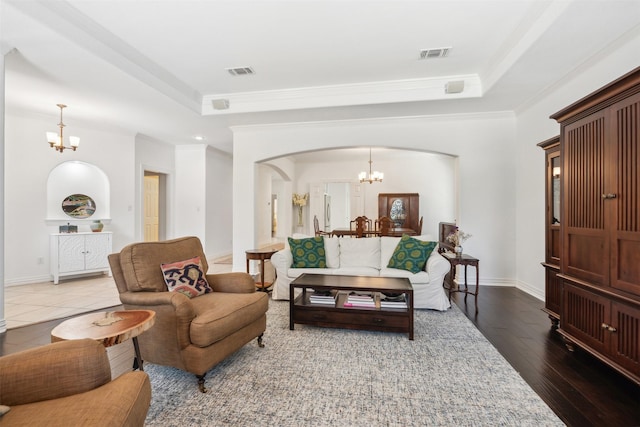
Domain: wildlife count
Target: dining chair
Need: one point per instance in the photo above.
(384, 226)
(316, 227)
(361, 226)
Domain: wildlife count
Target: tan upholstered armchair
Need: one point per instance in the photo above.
(68, 383)
(192, 334)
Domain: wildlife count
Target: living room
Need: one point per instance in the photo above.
(552, 54)
(499, 172)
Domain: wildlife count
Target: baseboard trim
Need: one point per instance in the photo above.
(28, 280)
(530, 289)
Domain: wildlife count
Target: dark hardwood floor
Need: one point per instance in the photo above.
(581, 390)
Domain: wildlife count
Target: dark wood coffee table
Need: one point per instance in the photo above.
(302, 311)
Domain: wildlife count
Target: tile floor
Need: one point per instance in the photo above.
(38, 302)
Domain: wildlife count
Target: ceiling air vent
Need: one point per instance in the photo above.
(240, 71)
(438, 52)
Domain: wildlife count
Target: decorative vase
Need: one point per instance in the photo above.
(300, 216)
(96, 226)
(458, 250)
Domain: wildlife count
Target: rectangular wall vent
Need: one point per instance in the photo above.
(439, 52)
(240, 71)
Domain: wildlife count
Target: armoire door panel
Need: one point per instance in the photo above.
(584, 173)
(554, 244)
(583, 315)
(625, 338)
(586, 256)
(585, 248)
(625, 271)
(625, 245)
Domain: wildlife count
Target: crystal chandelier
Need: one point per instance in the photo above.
(373, 176)
(56, 140)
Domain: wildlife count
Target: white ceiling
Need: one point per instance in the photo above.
(153, 67)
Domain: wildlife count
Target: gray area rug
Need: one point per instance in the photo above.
(450, 375)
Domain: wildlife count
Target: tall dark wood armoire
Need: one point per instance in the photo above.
(600, 224)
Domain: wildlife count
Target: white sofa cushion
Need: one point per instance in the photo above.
(332, 251)
(387, 246)
(363, 252)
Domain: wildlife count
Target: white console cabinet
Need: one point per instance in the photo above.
(79, 253)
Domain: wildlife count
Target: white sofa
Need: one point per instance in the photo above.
(368, 257)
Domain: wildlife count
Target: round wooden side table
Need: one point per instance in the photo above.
(260, 255)
(464, 260)
(109, 328)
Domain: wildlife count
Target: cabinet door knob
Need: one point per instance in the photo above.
(608, 327)
(609, 196)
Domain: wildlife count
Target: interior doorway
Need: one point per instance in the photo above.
(154, 206)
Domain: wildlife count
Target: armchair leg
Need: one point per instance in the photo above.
(201, 386)
(260, 343)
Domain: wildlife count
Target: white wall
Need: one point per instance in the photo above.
(190, 191)
(219, 197)
(29, 160)
(484, 145)
(534, 126)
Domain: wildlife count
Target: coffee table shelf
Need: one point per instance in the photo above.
(302, 311)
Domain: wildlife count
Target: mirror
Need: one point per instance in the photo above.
(555, 190)
(78, 206)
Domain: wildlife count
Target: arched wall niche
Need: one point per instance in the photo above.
(76, 177)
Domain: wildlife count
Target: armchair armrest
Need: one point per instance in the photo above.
(232, 282)
(53, 371)
(174, 313)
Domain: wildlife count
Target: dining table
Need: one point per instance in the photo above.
(394, 232)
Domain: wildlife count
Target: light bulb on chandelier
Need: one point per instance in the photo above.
(373, 176)
(56, 140)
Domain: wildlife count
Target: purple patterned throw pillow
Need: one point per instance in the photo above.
(186, 277)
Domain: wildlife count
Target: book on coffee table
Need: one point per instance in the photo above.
(360, 300)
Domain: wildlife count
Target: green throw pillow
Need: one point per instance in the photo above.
(308, 253)
(411, 254)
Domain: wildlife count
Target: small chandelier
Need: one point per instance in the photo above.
(55, 140)
(373, 176)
